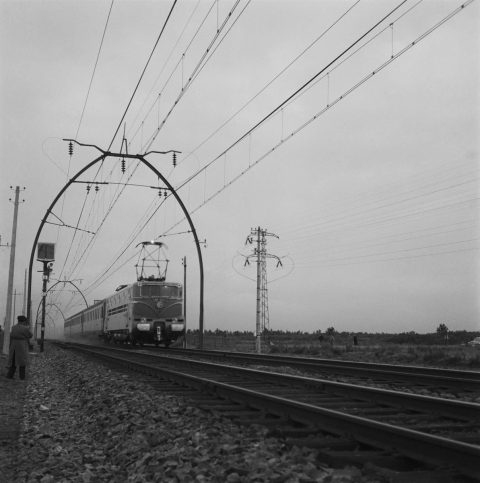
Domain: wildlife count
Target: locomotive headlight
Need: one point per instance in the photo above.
(143, 325)
(159, 304)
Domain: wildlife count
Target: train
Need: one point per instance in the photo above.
(148, 311)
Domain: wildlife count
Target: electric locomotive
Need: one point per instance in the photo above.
(148, 311)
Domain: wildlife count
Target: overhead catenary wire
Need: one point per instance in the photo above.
(318, 114)
(126, 110)
(143, 73)
(225, 23)
(294, 94)
(187, 48)
(314, 117)
(187, 23)
(113, 203)
(207, 200)
(197, 67)
(271, 81)
(190, 81)
(181, 185)
(88, 94)
(94, 70)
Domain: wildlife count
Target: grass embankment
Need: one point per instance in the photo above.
(461, 357)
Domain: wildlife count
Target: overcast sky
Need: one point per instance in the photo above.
(371, 182)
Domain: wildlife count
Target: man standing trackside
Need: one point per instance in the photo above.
(18, 351)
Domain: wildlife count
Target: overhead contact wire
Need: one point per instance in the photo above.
(143, 73)
(266, 86)
(306, 84)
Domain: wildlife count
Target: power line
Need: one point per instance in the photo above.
(356, 259)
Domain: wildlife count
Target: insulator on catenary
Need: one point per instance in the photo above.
(174, 159)
(70, 148)
(96, 188)
(123, 165)
(88, 188)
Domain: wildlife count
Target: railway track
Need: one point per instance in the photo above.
(456, 382)
(345, 421)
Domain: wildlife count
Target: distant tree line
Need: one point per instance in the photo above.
(442, 336)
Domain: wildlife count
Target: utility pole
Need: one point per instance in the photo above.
(15, 295)
(11, 272)
(184, 263)
(261, 255)
(46, 255)
(24, 308)
(47, 268)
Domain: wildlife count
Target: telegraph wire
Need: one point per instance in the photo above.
(362, 197)
(357, 246)
(355, 214)
(330, 263)
(389, 219)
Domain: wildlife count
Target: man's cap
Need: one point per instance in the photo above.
(21, 318)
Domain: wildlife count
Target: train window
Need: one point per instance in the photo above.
(168, 291)
(151, 290)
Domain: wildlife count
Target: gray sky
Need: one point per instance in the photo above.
(374, 200)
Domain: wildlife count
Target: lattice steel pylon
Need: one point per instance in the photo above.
(264, 314)
(261, 255)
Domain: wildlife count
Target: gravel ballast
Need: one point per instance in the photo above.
(86, 423)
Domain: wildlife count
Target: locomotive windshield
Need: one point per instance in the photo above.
(155, 290)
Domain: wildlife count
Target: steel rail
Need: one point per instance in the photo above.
(422, 375)
(432, 449)
(453, 408)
